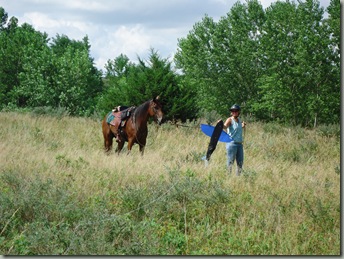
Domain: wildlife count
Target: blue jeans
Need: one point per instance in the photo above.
(235, 151)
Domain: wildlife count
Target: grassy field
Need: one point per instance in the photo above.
(60, 193)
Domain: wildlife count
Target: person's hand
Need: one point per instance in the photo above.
(243, 124)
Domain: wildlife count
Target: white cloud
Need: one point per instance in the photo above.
(95, 6)
(72, 28)
(115, 27)
(40, 20)
(127, 40)
(90, 5)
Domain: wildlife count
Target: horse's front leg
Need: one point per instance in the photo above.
(142, 149)
(142, 144)
(119, 147)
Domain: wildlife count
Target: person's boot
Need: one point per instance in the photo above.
(230, 169)
(206, 162)
(238, 171)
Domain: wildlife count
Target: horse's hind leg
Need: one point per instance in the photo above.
(107, 134)
(108, 143)
(108, 139)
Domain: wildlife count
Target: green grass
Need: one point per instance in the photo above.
(62, 195)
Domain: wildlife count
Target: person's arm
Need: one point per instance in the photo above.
(227, 123)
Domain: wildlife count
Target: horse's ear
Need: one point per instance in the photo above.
(156, 98)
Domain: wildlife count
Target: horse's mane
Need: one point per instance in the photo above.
(141, 109)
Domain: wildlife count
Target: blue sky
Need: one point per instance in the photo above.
(115, 27)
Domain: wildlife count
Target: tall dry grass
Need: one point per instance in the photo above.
(61, 194)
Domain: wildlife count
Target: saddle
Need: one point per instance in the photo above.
(118, 118)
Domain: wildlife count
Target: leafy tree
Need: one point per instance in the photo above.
(118, 68)
(36, 77)
(19, 45)
(115, 84)
(238, 43)
(221, 58)
(195, 56)
(280, 63)
(332, 103)
(60, 76)
(77, 82)
(334, 21)
(294, 51)
(279, 91)
(314, 66)
(3, 18)
(8, 59)
(131, 84)
(32, 73)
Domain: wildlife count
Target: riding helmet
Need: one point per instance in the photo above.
(235, 107)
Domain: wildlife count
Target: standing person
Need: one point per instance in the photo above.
(235, 150)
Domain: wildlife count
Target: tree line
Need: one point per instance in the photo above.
(281, 63)
(35, 72)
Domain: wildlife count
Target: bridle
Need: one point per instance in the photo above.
(155, 110)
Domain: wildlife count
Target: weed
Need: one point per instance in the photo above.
(337, 169)
(293, 155)
(250, 175)
(194, 157)
(61, 195)
(273, 128)
(50, 111)
(210, 117)
(331, 130)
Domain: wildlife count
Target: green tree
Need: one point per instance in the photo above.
(32, 73)
(279, 91)
(9, 58)
(19, 46)
(332, 103)
(220, 60)
(3, 18)
(118, 68)
(60, 76)
(238, 40)
(115, 84)
(195, 58)
(334, 22)
(280, 63)
(36, 78)
(77, 82)
(131, 84)
(294, 50)
(314, 69)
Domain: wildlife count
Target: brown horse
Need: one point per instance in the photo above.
(135, 129)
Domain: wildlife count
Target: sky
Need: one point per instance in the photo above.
(114, 27)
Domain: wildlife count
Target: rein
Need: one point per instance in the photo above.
(177, 125)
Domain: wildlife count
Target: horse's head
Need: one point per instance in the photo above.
(155, 109)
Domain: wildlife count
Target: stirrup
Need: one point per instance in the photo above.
(118, 139)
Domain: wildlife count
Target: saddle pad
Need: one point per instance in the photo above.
(110, 117)
(114, 118)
